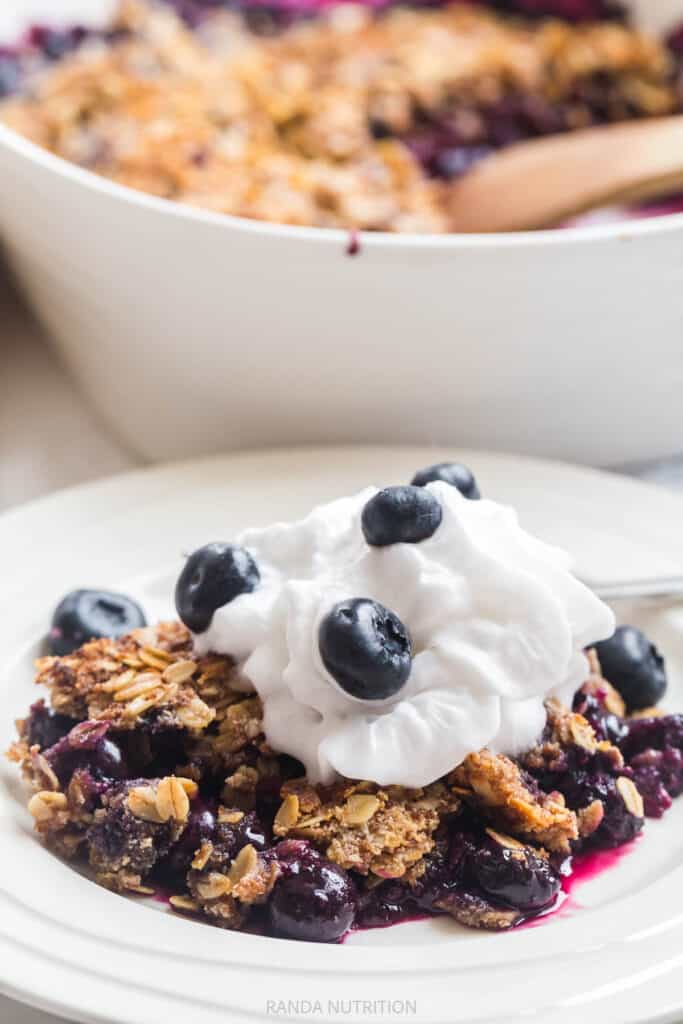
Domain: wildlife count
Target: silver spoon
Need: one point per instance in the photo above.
(661, 588)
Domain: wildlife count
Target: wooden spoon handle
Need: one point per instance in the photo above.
(544, 182)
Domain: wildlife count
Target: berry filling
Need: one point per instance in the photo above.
(313, 899)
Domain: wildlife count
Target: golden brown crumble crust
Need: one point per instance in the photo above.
(364, 827)
(151, 670)
(496, 786)
(566, 730)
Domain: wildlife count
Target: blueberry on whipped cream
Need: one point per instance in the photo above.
(365, 648)
(497, 624)
(400, 515)
(453, 473)
(213, 576)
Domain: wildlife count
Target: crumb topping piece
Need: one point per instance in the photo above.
(224, 889)
(360, 826)
(569, 738)
(133, 829)
(150, 673)
(498, 787)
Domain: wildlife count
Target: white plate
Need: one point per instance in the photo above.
(614, 955)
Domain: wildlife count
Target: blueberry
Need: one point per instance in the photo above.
(200, 826)
(619, 824)
(634, 667)
(87, 747)
(656, 733)
(443, 872)
(88, 614)
(230, 838)
(386, 904)
(108, 761)
(648, 781)
(458, 160)
(606, 725)
(314, 899)
(45, 727)
(55, 45)
(400, 515)
(452, 473)
(213, 576)
(365, 648)
(10, 73)
(379, 129)
(675, 41)
(519, 878)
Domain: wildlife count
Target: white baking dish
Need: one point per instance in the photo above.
(193, 332)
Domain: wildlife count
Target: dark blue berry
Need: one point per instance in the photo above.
(200, 826)
(606, 725)
(365, 648)
(648, 781)
(44, 727)
(656, 733)
(517, 877)
(10, 73)
(675, 41)
(386, 904)
(88, 614)
(452, 473)
(55, 44)
(443, 872)
(400, 515)
(619, 825)
(458, 160)
(87, 747)
(230, 838)
(634, 667)
(213, 576)
(314, 899)
(379, 129)
(107, 760)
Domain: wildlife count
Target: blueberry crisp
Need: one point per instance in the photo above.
(302, 112)
(401, 706)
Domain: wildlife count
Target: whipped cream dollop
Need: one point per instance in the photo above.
(498, 624)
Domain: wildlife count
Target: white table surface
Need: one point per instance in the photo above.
(49, 439)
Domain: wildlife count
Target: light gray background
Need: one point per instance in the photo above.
(49, 439)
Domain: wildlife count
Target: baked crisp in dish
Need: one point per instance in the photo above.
(346, 116)
(149, 761)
